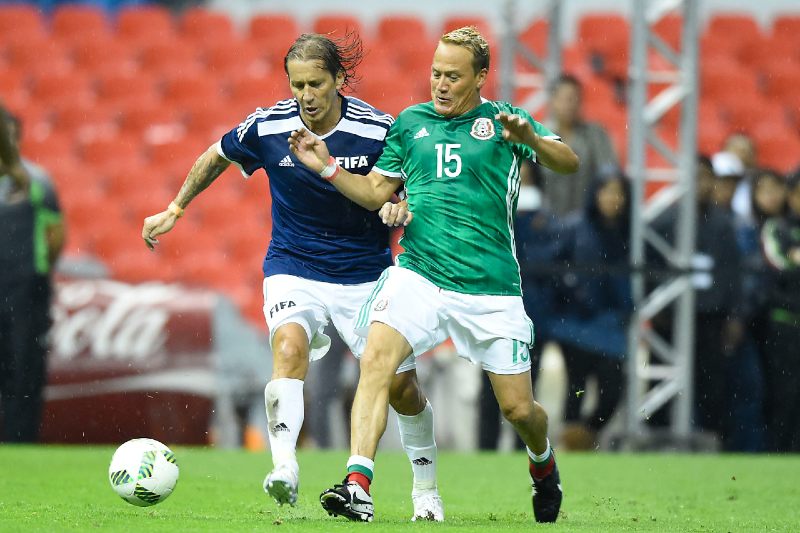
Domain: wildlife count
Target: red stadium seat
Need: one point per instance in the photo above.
(783, 156)
(177, 156)
(211, 121)
(273, 34)
(203, 26)
(103, 56)
(782, 84)
(534, 36)
(747, 115)
(21, 20)
(86, 122)
(741, 26)
(787, 28)
(247, 93)
(604, 33)
(51, 151)
(191, 91)
(37, 55)
(49, 89)
(79, 21)
(170, 57)
(727, 82)
(127, 90)
(111, 154)
(337, 26)
(237, 58)
(145, 23)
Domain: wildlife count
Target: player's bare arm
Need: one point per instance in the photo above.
(370, 192)
(205, 170)
(555, 155)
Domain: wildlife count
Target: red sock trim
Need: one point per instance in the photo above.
(541, 471)
(359, 478)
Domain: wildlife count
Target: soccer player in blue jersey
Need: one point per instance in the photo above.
(326, 251)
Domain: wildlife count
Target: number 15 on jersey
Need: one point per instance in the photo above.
(448, 160)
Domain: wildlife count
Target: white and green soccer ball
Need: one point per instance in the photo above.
(143, 472)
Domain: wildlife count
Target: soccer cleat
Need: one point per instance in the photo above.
(428, 506)
(282, 484)
(547, 497)
(349, 500)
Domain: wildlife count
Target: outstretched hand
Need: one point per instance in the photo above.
(309, 149)
(516, 129)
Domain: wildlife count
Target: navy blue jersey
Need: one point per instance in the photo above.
(317, 233)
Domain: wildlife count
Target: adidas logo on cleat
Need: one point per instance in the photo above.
(422, 461)
(286, 162)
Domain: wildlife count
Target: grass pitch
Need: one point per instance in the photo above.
(48, 488)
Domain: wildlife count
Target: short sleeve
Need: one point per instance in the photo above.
(240, 146)
(390, 163)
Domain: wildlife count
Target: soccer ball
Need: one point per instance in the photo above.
(143, 472)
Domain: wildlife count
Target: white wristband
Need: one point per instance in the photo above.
(330, 170)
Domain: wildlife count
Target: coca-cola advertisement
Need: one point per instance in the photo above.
(132, 360)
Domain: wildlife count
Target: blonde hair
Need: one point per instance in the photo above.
(470, 38)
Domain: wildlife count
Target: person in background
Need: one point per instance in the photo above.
(729, 172)
(742, 146)
(718, 324)
(589, 140)
(593, 305)
(31, 239)
(780, 238)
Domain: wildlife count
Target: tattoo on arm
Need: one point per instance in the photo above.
(205, 170)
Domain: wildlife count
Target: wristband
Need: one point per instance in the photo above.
(331, 169)
(175, 209)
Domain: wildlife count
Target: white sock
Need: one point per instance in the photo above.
(416, 435)
(540, 458)
(283, 398)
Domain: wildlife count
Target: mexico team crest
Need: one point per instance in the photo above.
(381, 305)
(482, 129)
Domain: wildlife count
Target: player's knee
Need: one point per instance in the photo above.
(519, 413)
(376, 362)
(290, 359)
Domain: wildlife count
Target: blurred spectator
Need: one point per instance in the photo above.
(718, 327)
(30, 241)
(781, 242)
(729, 171)
(593, 306)
(564, 193)
(536, 231)
(742, 146)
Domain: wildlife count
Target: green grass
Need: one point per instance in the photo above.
(50, 488)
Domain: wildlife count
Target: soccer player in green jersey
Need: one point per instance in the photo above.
(459, 156)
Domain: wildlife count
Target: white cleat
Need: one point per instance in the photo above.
(428, 506)
(282, 484)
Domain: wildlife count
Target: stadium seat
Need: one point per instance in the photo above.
(127, 90)
(783, 156)
(534, 36)
(50, 89)
(103, 56)
(79, 21)
(37, 55)
(170, 57)
(211, 121)
(239, 57)
(248, 92)
(337, 27)
(176, 157)
(747, 115)
(20, 19)
(786, 27)
(145, 23)
(404, 38)
(190, 91)
(727, 82)
(765, 54)
(50, 151)
(203, 26)
(86, 122)
(782, 84)
(726, 25)
(604, 33)
(111, 154)
(273, 34)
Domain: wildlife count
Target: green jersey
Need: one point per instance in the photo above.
(462, 181)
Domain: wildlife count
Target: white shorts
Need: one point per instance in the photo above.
(312, 305)
(492, 331)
